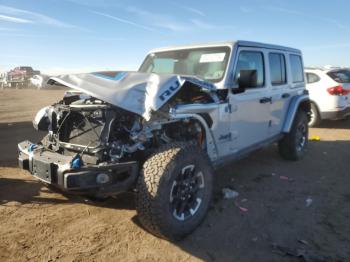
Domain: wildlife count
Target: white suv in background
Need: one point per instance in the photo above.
(329, 92)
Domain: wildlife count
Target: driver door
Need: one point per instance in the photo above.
(250, 116)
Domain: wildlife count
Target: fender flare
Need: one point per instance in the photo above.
(294, 105)
(212, 149)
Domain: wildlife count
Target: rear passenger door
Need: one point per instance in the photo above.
(279, 90)
(250, 109)
(284, 89)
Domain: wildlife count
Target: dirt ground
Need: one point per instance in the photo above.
(38, 223)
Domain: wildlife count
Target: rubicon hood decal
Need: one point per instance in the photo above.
(140, 93)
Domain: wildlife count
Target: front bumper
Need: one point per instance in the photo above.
(334, 115)
(55, 169)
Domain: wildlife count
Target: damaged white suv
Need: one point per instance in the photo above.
(161, 130)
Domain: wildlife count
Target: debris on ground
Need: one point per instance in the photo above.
(315, 138)
(306, 255)
(286, 178)
(243, 209)
(229, 193)
(302, 241)
(260, 177)
(308, 201)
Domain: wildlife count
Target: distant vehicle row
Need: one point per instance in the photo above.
(25, 77)
(20, 76)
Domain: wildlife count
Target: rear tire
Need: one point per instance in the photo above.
(174, 190)
(294, 145)
(315, 118)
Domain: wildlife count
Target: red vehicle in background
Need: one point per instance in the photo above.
(19, 76)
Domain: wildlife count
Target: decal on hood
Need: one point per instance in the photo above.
(140, 93)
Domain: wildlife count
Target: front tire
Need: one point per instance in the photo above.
(174, 190)
(294, 144)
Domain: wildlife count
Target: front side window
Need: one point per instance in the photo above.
(251, 60)
(207, 63)
(277, 69)
(312, 78)
(297, 68)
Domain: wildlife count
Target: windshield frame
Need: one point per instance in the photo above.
(226, 48)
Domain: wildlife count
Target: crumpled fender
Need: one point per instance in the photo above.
(140, 93)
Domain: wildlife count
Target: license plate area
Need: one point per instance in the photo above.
(43, 170)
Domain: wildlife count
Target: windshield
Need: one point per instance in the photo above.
(340, 76)
(206, 63)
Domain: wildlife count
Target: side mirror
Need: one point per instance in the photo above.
(247, 79)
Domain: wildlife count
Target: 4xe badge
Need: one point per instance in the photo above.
(225, 137)
(167, 93)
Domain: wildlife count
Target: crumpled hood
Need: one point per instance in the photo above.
(140, 93)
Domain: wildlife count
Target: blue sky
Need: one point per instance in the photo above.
(58, 36)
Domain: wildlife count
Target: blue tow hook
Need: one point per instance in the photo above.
(76, 162)
(32, 147)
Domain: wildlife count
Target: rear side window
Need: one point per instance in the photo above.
(277, 69)
(312, 78)
(251, 60)
(341, 76)
(297, 68)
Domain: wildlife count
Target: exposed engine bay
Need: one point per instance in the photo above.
(98, 132)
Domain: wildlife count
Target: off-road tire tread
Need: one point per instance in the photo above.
(286, 145)
(156, 168)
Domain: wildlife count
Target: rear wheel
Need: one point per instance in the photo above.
(293, 146)
(315, 118)
(174, 190)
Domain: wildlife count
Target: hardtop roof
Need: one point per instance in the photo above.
(230, 44)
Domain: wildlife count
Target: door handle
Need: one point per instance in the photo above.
(265, 100)
(285, 95)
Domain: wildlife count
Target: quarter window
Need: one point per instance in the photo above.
(277, 69)
(297, 68)
(312, 78)
(251, 60)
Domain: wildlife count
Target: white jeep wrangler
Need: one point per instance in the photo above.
(161, 130)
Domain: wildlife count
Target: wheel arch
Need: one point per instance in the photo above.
(211, 146)
(301, 102)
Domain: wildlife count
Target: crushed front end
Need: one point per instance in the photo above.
(88, 147)
(100, 134)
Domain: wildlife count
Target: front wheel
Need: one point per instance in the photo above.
(294, 144)
(174, 190)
